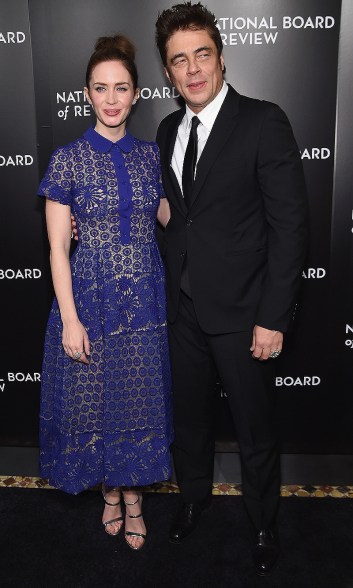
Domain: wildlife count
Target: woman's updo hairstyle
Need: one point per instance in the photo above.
(115, 48)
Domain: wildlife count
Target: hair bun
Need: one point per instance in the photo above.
(113, 48)
(118, 42)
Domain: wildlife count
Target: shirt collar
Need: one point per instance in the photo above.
(103, 145)
(208, 115)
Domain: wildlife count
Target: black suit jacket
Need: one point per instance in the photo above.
(246, 230)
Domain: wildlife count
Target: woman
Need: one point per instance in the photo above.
(105, 405)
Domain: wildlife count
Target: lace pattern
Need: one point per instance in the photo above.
(110, 420)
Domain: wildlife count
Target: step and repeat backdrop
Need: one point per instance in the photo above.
(298, 54)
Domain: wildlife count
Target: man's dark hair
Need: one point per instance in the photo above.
(182, 17)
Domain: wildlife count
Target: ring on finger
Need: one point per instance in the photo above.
(274, 354)
(77, 354)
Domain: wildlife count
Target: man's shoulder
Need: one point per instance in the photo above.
(171, 119)
(256, 105)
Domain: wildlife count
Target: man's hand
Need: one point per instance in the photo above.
(266, 342)
(74, 234)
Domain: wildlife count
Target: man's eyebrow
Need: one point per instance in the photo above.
(177, 55)
(205, 48)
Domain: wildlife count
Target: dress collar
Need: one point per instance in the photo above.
(104, 145)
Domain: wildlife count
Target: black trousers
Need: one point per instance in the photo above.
(196, 357)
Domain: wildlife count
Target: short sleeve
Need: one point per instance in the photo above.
(159, 172)
(56, 183)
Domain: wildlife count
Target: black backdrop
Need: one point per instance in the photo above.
(296, 53)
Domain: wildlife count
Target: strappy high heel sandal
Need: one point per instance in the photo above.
(132, 533)
(117, 519)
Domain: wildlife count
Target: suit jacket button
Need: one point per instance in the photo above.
(188, 222)
(182, 253)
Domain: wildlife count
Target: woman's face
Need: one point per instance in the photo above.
(112, 95)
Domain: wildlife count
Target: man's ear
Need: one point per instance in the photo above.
(221, 59)
(167, 74)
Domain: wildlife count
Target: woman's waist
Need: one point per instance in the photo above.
(116, 253)
(95, 245)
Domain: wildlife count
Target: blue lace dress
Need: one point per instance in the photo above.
(109, 420)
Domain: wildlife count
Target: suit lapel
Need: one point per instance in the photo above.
(222, 129)
(168, 154)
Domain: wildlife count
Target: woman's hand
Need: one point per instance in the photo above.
(75, 342)
(74, 338)
(74, 234)
(163, 212)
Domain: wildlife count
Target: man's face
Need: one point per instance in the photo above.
(194, 68)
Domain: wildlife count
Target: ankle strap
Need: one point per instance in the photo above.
(131, 503)
(105, 496)
(134, 516)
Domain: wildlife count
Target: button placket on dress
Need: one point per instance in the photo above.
(125, 194)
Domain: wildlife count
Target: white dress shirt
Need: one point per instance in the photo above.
(207, 117)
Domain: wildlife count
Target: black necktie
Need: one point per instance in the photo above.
(190, 161)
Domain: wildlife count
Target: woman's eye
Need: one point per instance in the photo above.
(121, 89)
(100, 89)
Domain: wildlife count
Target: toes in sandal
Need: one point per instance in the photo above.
(132, 533)
(111, 521)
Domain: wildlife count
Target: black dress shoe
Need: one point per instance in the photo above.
(266, 551)
(185, 522)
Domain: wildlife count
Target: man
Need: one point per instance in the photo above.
(234, 251)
